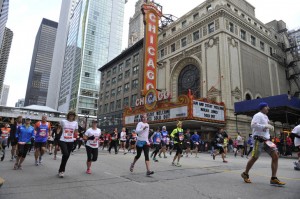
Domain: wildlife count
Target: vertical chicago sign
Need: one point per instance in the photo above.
(151, 20)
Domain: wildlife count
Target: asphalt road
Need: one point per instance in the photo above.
(200, 177)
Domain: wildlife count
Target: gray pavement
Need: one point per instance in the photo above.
(200, 177)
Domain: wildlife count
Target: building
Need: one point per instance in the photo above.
(136, 24)
(20, 103)
(41, 62)
(121, 83)
(4, 54)
(66, 11)
(219, 53)
(4, 95)
(94, 38)
(4, 5)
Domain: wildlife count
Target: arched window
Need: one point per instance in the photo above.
(189, 78)
(248, 96)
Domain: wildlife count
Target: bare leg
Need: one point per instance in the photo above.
(250, 164)
(274, 164)
(88, 164)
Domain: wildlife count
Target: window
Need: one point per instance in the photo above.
(248, 96)
(271, 50)
(236, 10)
(113, 92)
(128, 62)
(127, 73)
(173, 29)
(114, 80)
(164, 35)
(275, 37)
(243, 35)
(183, 24)
(108, 83)
(262, 46)
(90, 52)
(196, 35)
(253, 40)
(119, 90)
(135, 83)
(208, 8)
(162, 53)
(112, 106)
(120, 77)
(125, 101)
(249, 19)
(173, 48)
(86, 74)
(118, 104)
(228, 5)
(243, 15)
(133, 99)
(108, 73)
(135, 70)
(121, 67)
(260, 27)
(231, 27)
(135, 58)
(211, 27)
(114, 70)
(106, 94)
(196, 16)
(183, 42)
(126, 87)
(105, 108)
(255, 23)
(101, 96)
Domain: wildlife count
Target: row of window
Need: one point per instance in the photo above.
(113, 92)
(118, 105)
(135, 70)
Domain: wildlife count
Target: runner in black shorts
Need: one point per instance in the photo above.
(12, 137)
(219, 140)
(177, 135)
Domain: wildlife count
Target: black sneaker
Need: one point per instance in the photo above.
(149, 173)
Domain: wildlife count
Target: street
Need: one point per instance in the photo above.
(200, 177)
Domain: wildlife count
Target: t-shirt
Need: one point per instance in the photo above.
(42, 131)
(123, 136)
(5, 133)
(68, 129)
(258, 125)
(240, 140)
(96, 133)
(296, 131)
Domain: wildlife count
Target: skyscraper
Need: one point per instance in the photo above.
(95, 37)
(4, 95)
(136, 24)
(38, 80)
(20, 103)
(4, 54)
(66, 11)
(4, 5)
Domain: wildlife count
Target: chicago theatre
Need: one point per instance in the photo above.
(196, 68)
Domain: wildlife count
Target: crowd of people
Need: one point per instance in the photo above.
(68, 136)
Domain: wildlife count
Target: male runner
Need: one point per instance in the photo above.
(177, 135)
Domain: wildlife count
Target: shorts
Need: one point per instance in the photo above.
(50, 141)
(23, 149)
(220, 148)
(92, 154)
(178, 148)
(56, 142)
(3, 142)
(123, 141)
(187, 145)
(240, 147)
(39, 145)
(267, 145)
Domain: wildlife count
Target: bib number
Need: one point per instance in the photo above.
(68, 134)
(43, 132)
(270, 144)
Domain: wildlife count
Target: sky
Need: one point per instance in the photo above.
(25, 17)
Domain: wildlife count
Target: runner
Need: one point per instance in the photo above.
(178, 137)
(296, 134)
(195, 139)
(123, 139)
(219, 140)
(156, 139)
(92, 143)
(164, 142)
(50, 143)
(43, 131)
(142, 130)
(24, 135)
(261, 134)
(240, 145)
(114, 141)
(107, 138)
(57, 132)
(69, 131)
(4, 135)
(187, 142)
(133, 142)
(250, 142)
(13, 140)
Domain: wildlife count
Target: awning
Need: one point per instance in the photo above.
(283, 108)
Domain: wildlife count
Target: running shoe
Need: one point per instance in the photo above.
(159, 156)
(155, 160)
(16, 166)
(225, 161)
(173, 164)
(178, 164)
(165, 157)
(246, 177)
(61, 174)
(276, 181)
(88, 171)
(20, 167)
(149, 173)
(36, 163)
(131, 167)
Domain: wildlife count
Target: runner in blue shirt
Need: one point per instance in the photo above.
(156, 139)
(196, 140)
(164, 142)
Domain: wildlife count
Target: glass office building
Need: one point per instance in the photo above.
(95, 37)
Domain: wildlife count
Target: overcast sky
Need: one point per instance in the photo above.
(25, 17)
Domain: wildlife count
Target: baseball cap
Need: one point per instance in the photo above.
(27, 118)
(262, 105)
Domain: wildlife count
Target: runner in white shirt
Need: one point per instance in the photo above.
(142, 130)
(69, 131)
(296, 133)
(92, 136)
(260, 130)
(123, 139)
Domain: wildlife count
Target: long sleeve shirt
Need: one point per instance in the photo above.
(195, 138)
(24, 134)
(141, 132)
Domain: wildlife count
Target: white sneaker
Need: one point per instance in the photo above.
(61, 174)
(36, 163)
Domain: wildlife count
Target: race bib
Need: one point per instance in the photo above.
(158, 140)
(270, 144)
(94, 142)
(68, 134)
(4, 134)
(43, 132)
(181, 137)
